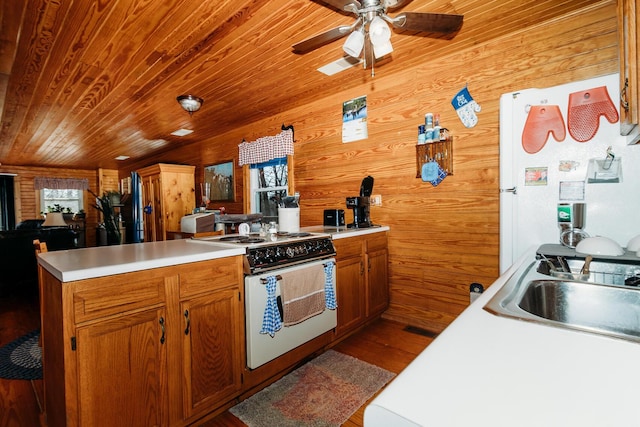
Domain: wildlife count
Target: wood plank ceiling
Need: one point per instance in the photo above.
(82, 82)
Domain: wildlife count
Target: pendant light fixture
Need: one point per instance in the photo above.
(190, 103)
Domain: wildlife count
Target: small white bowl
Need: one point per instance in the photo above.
(634, 244)
(599, 245)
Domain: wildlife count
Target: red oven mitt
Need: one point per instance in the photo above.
(542, 121)
(585, 109)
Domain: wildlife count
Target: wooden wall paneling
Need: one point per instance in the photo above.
(108, 180)
(442, 238)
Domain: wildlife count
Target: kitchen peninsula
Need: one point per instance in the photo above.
(154, 333)
(158, 326)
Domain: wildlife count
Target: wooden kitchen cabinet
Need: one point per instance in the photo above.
(122, 371)
(168, 191)
(628, 41)
(362, 288)
(376, 263)
(213, 335)
(350, 284)
(154, 348)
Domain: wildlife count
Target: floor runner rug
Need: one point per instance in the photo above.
(324, 392)
(22, 359)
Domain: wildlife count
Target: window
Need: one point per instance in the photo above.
(269, 184)
(68, 200)
(66, 194)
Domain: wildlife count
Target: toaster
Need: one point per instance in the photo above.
(333, 218)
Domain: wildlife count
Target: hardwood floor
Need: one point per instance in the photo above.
(383, 343)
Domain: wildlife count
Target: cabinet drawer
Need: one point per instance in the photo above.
(348, 247)
(95, 298)
(210, 275)
(376, 242)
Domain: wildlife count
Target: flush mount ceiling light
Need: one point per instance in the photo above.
(370, 35)
(181, 132)
(190, 103)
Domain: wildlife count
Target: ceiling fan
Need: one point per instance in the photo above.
(370, 30)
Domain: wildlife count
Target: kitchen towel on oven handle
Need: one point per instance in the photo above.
(303, 294)
(271, 319)
(329, 292)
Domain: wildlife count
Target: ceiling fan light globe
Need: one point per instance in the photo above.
(382, 49)
(379, 31)
(354, 43)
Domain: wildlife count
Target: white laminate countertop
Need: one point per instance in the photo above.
(344, 232)
(486, 370)
(88, 263)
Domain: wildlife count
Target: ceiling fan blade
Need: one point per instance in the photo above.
(428, 22)
(341, 4)
(321, 39)
(395, 4)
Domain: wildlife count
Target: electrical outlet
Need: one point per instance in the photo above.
(376, 200)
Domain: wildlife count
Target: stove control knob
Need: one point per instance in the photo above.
(290, 252)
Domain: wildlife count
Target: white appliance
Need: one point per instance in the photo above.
(533, 183)
(198, 222)
(280, 254)
(262, 348)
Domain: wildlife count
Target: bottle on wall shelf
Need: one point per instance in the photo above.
(436, 128)
(428, 124)
(421, 134)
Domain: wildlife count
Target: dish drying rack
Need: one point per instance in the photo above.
(606, 273)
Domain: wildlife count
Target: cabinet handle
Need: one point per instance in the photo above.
(361, 268)
(369, 266)
(186, 316)
(623, 96)
(161, 321)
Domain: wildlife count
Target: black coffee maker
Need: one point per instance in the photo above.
(360, 205)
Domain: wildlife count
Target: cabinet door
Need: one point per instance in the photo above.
(628, 39)
(350, 293)
(122, 373)
(378, 286)
(178, 194)
(350, 284)
(213, 351)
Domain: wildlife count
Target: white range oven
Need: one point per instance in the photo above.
(289, 291)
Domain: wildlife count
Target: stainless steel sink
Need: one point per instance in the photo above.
(598, 308)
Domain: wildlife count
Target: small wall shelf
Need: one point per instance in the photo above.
(440, 151)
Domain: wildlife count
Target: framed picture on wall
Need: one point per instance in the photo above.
(219, 182)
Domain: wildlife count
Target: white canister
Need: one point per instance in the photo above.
(289, 219)
(244, 229)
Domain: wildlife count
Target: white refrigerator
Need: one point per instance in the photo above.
(554, 148)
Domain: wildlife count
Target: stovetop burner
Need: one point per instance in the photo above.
(241, 239)
(303, 234)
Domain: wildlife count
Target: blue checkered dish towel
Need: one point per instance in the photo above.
(271, 322)
(329, 292)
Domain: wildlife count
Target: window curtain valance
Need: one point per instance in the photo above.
(41, 182)
(266, 148)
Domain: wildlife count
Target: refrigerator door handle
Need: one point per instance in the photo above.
(513, 190)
